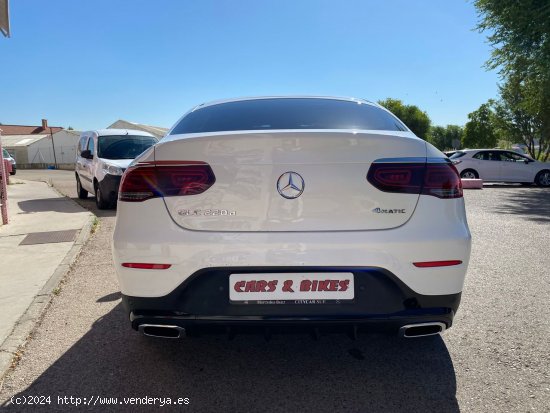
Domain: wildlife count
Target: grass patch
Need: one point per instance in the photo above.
(95, 225)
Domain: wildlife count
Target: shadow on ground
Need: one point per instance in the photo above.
(288, 373)
(531, 203)
(47, 205)
(91, 206)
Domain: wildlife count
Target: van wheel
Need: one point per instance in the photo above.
(82, 193)
(99, 199)
(543, 178)
(469, 174)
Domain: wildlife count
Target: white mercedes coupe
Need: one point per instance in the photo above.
(270, 213)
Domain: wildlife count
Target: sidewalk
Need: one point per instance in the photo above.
(29, 273)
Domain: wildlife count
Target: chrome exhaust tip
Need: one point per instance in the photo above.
(161, 331)
(422, 330)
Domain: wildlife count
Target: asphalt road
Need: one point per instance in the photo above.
(496, 358)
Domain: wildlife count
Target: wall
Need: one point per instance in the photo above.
(19, 153)
(41, 152)
(65, 166)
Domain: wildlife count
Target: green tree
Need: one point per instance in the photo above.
(518, 122)
(520, 36)
(412, 116)
(481, 129)
(454, 134)
(70, 128)
(444, 138)
(437, 137)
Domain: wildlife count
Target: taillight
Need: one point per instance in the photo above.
(439, 179)
(165, 178)
(442, 180)
(404, 178)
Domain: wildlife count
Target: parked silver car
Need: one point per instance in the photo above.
(7, 155)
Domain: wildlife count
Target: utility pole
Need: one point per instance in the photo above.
(53, 146)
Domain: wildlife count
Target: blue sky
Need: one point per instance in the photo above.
(89, 63)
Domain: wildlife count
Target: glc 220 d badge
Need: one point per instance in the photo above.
(206, 212)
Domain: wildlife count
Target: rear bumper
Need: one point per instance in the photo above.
(382, 303)
(145, 233)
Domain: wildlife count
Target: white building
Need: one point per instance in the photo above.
(37, 150)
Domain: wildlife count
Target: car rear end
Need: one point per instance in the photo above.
(348, 228)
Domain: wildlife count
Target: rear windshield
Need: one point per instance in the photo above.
(457, 155)
(123, 146)
(287, 113)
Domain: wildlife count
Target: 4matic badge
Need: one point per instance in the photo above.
(388, 211)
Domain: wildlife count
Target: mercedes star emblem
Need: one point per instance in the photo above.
(290, 185)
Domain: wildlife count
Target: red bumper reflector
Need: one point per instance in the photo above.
(144, 266)
(429, 264)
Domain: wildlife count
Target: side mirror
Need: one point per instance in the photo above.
(86, 154)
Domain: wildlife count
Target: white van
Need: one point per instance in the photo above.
(102, 156)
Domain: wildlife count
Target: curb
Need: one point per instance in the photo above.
(11, 348)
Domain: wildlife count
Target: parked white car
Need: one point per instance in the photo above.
(7, 156)
(101, 159)
(301, 211)
(498, 165)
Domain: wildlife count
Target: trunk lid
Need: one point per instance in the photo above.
(258, 176)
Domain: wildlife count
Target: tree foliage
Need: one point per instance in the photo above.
(518, 123)
(446, 137)
(481, 129)
(411, 115)
(520, 36)
(437, 137)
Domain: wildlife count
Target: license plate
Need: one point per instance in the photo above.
(291, 288)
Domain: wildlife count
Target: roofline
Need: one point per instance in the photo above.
(32, 126)
(484, 149)
(71, 131)
(27, 134)
(33, 138)
(344, 98)
(160, 128)
(114, 132)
